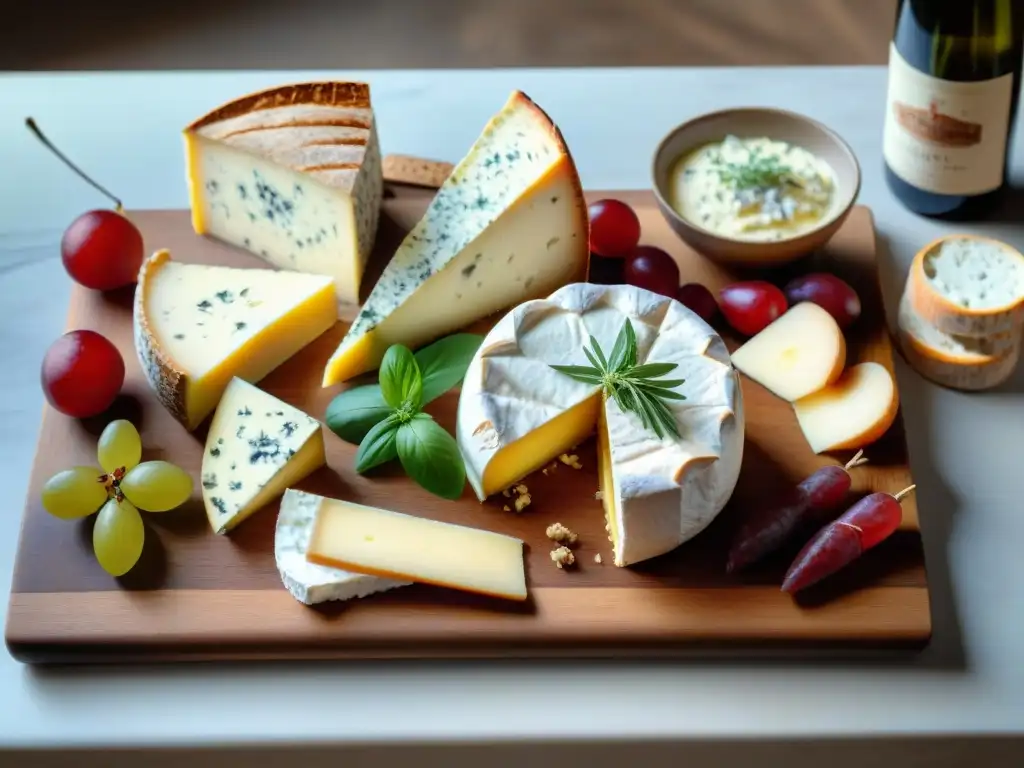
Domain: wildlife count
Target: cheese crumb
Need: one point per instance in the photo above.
(597, 558)
(598, 495)
(571, 459)
(563, 557)
(522, 502)
(561, 534)
(506, 508)
(521, 489)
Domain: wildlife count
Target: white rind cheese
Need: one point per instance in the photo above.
(307, 582)
(292, 175)
(969, 286)
(509, 224)
(516, 413)
(957, 362)
(197, 326)
(257, 446)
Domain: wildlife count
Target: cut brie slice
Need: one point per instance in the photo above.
(516, 413)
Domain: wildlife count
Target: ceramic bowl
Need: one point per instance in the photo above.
(752, 122)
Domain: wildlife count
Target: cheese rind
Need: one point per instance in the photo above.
(196, 327)
(309, 583)
(257, 446)
(516, 413)
(850, 413)
(394, 545)
(509, 224)
(293, 175)
(968, 285)
(800, 352)
(957, 362)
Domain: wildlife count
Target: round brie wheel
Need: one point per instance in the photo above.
(968, 285)
(517, 413)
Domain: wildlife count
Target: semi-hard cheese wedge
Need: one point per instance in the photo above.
(968, 285)
(394, 545)
(802, 351)
(509, 224)
(292, 175)
(516, 413)
(958, 362)
(852, 412)
(197, 326)
(257, 447)
(309, 583)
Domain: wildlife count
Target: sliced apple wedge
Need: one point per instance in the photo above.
(851, 413)
(799, 353)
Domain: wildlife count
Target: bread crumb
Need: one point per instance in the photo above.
(597, 558)
(506, 493)
(571, 460)
(521, 489)
(506, 508)
(563, 557)
(522, 502)
(561, 534)
(598, 495)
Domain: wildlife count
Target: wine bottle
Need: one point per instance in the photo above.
(954, 84)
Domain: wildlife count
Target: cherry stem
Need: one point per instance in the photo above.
(856, 461)
(899, 496)
(50, 146)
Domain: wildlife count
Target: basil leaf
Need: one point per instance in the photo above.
(431, 457)
(443, 364)
(378, 446)
(400, 379)
(353, 413)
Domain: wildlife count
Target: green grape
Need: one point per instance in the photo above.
(157, 486)
(74, 492)
(118, 536)
(119, 446)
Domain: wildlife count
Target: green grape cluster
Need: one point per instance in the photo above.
(125, 485)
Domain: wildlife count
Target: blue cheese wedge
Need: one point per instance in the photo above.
(197, 326)
(508, 224)
(307, 582)
(292, 175)
(257, 447)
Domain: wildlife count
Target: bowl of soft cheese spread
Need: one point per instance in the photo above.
(755, 186)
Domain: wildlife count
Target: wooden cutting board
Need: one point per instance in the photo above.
(196, 595)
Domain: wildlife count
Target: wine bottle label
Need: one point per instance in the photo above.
(943, 136)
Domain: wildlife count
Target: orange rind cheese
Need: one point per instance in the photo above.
(968, 285)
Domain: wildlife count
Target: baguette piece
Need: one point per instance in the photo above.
(968, 285)
(957, 362)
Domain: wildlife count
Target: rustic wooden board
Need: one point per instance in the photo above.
(195, 595)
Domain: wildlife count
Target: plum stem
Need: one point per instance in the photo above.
(899, 496)
(856, 461)
(50, 146)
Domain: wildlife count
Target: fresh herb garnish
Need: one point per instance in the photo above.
(757, 172)
(635, 388)
(387, 422)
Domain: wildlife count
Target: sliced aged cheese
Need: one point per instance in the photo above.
(399, 546)
(968, 285)
(516, 413)
(257, 446)
(292, 175)
(852, 412)
(957, 362)
(508, 224)
(309, 583)
(799, 353)
(198, 326)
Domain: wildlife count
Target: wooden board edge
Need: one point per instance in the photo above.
(239, 624)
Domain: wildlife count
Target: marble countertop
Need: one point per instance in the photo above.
(125, 130)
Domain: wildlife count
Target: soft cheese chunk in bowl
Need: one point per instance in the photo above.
(754, 187)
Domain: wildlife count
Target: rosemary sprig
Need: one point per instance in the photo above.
(636, 388)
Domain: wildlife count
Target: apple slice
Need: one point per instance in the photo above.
(799, 353)
(851, 413)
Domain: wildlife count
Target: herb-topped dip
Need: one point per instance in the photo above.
(752, 189)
